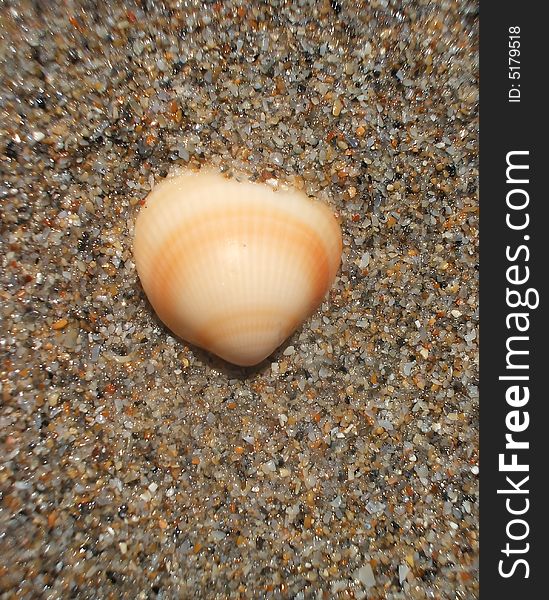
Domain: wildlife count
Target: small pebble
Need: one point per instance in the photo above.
(366, 576)
(60, 324)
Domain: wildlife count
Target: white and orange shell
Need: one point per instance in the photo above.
(234, 267)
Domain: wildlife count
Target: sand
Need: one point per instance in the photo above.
(133, 465)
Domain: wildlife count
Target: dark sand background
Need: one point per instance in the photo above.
(345, 466)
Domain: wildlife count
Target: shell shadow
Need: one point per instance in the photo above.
(228, 369)
(243, 373)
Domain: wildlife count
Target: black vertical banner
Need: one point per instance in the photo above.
(513, 299)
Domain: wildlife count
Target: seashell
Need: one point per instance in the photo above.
(234, 267)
